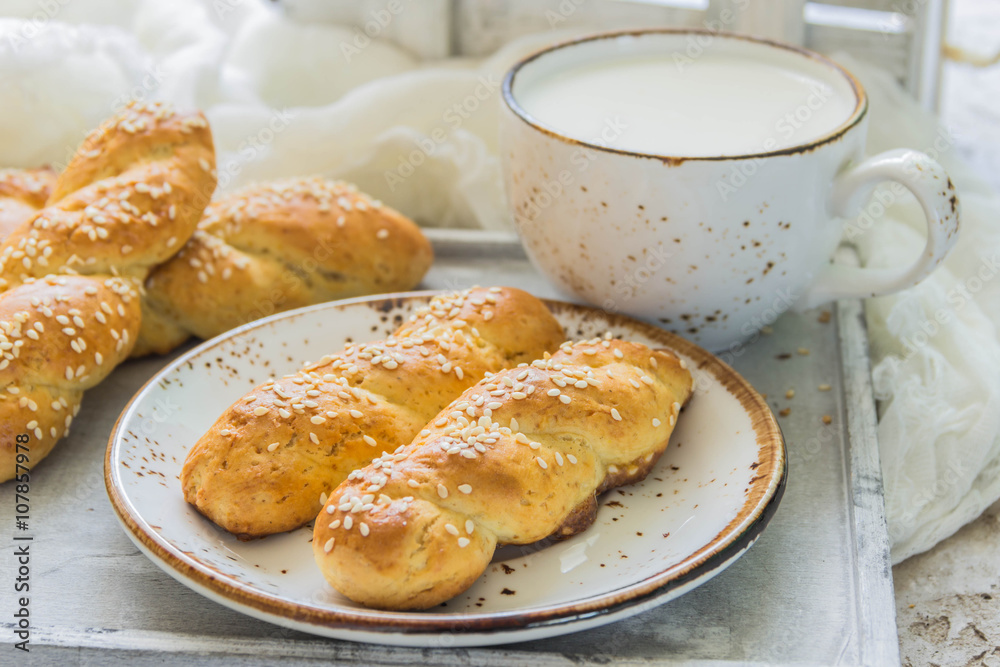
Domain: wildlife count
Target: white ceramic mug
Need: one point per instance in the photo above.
(711, 247)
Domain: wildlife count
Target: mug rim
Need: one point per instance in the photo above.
(856, 116)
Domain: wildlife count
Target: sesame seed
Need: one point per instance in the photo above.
(382, 234)
(565, 399)
(683, 364)
(260, 411)
(612, 468)
(514, 425)
(824, 387)
(618, 354)
(634, 383)
(285, 414)
(451, 529)
(656, 422)
(495, 405)
(672, 420)
(541, 462)
(646, 379)
(571, 458)
(534, 445)
(465, 488)
(559, 458)
(553, 392)
(335, 523)
(518, 395)
(616, 415)
(364, 529)
(273, 446)
(675, 406)
(348, 522)
(357, 414)
(370, 441)
(442, 490)
(316, 419)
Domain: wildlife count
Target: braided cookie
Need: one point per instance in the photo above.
(276, 246)
(69, 276)
(266, 465)
(518, 457)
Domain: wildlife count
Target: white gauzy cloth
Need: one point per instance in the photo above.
(291, 99)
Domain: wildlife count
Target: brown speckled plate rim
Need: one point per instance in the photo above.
(857, 114)
(766, 490)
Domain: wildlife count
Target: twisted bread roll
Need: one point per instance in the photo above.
(22, 193)
(127, 201)
(277, 246)
(264, 465)
(518, 457)
(63, 334)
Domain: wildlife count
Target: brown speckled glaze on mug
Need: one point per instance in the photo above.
(712, 247)
(705, 502)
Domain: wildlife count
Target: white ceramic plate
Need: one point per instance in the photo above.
(701, 508)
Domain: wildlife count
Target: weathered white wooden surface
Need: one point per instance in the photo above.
(813, 591)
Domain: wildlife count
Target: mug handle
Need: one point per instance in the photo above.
(933, 189)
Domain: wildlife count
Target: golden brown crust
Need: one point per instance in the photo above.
(515, 459)
(338, 414)
(66, 334)
(277, 246)
(127, 200)
(22, 193)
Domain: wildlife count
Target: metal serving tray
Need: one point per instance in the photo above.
(815, 590)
